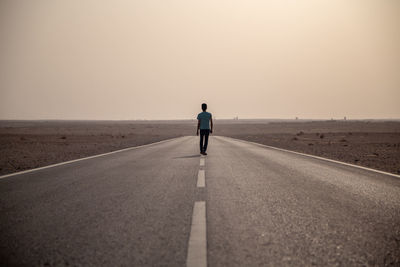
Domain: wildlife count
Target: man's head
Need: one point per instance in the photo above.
(204, 106)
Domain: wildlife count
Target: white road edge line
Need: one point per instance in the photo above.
(197, 248)
(201, 179)
(316, 157)
(91, 157)
(202, 161)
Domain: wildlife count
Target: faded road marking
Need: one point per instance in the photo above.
(201, 179)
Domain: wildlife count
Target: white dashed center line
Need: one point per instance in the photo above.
(201, 179)
(197, 247)
(197, 250)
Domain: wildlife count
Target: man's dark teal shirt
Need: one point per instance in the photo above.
(204, 118)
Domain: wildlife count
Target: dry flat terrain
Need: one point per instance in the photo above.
(374, 144)
(30, 144)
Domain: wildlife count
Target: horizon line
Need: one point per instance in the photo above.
(231, 118)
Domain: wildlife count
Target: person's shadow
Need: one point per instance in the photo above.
(187, 157)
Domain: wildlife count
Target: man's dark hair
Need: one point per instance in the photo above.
(204, 106)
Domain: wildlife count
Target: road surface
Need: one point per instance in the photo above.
(164, 205)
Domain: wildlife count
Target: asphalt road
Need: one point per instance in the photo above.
(264, 207)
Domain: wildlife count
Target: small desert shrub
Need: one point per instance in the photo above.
(63, 137)
(295, 139)
(322, 136)
(310, 144)
(343, 140)
(300, 133)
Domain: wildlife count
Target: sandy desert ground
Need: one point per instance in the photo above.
(25, 145)
(31, 144)
(373, 144)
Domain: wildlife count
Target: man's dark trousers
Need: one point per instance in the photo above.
(204, 135)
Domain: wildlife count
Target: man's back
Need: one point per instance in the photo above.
(204, 118)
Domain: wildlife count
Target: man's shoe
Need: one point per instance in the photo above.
(204, 153)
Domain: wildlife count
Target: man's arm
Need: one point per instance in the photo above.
(211, 130)
(198, 126)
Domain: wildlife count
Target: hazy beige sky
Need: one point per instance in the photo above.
(126, 59)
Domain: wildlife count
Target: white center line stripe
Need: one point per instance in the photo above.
(202, 161)
(197, 249)
(201, 181)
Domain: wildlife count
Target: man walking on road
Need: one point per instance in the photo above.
(204, 119)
